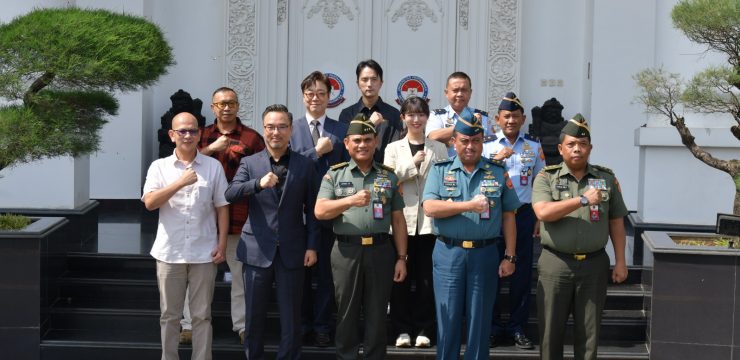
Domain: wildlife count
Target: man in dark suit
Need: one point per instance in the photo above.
(321, 139)
(276, 243)
(385, 117)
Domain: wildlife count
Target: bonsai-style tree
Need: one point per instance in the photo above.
(716, 24)
(58, 71)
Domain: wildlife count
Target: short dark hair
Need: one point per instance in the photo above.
(371, 64)
(414, 104)
(224, 88)
(459, 75)
(314, 77)
(278, 108)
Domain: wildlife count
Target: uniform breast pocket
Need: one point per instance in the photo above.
(450, 193)
(203, 193)
(557, 195)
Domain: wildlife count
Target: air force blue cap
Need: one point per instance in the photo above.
(511, 103)
(468, 124)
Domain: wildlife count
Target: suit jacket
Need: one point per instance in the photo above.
(398, 156)
(274, 220)
(302, 142)
(388, 131)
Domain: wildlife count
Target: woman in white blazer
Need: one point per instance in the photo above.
(412, 313)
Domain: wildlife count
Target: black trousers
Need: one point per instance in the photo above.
(413, 312)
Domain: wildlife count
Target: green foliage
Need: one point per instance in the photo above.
(13, 222)
(661, 91)
(715, 23)
(711, 91)
(59, 68)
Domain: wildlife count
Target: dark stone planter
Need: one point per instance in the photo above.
(693, 302)
(635, 222)
(83, 222)
(30, 262)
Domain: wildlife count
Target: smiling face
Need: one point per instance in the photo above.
(575, 151)
(316, 99)
(361, 148)
(185, 133)
(277, 129)
(510, 122)
(458, 92)
(225, 106)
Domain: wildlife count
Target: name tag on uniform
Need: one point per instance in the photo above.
(346, 188)
(377, 210)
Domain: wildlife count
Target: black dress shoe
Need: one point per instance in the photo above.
(322, 340)
(521, 341)
(497, 340)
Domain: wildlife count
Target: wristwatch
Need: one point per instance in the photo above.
(511, 258)
(584, 200)
(403, 257)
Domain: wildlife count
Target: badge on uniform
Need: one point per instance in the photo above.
(594, 213)
(485, 215)
(599, 184)
(377, 210)
(562, 184)
(346, 188)
(524, 176)
(450, 180)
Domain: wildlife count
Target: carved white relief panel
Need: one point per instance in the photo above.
(330, 10)
(241, 54)
(414, 12)
(503, 50)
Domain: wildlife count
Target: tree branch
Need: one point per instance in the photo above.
(37, 85)
(688, 140)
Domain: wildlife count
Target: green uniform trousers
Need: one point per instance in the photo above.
(363, 279)
(564, 286)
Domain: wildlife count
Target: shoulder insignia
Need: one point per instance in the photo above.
(440, 111)
(530, 138)
(484, 113)
(603, 168)
(442, 161)
(339, 165)
(495, 162)
(553, 167)
(489, 138)
(386, 167)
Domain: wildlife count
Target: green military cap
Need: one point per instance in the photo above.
(360, 125)
(511, 103)
(468, 124)
(577, 127)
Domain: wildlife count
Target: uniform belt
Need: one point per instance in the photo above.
(577, 257)
(364, 240)
(469, 244)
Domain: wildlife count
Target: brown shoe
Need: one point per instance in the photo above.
(241, 337)
(186, 336)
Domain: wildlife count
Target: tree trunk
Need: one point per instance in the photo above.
(736, 207)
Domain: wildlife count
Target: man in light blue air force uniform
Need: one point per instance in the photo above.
(523, 158)
(471, 200)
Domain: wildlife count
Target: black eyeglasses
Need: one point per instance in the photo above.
(184, 132)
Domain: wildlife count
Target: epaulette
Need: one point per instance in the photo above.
(603, 168)
(530, 138)
(489, 138)
(484, 113)
(442, 161)
(440, 111)
(386, 167)
(553, 167)
(496, 162)
(339, 166)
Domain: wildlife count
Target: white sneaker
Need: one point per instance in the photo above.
(403, 341)
(423, 342)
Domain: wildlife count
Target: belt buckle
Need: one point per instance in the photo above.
(579, 257)
(367, 240)
(467, 244)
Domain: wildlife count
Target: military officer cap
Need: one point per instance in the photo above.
(361, 125)
(511, 103)
(468, 124)
(577, 127)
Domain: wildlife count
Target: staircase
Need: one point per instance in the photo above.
(108, 308)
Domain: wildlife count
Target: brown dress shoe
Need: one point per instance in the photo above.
(186, 336)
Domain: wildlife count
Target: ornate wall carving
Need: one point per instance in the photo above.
(241, 50)
(463, 10)
(503, 50)
(414, 11)
(331, 11)
(282, 11)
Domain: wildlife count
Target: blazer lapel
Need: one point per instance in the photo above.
(427, 159)
(288, 179)
(266, 168)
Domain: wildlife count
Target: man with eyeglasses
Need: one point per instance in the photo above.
(276, 244)
(319, 138)
(471, 201)
(228, 140)
(458, 91)
(385, 117)
(188, 189)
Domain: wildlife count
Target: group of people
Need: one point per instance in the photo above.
(425, 210)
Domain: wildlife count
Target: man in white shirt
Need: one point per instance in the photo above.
(188, 189)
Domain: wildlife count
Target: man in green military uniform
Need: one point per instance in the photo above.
(361, 197)
(580, 207)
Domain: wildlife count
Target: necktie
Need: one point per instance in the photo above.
(315, 132)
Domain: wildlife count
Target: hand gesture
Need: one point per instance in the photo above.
(506, 268)
(220, 144)
(479, 203)
(399, 273)
(268, 181)
(593, 195)
(376, 118)
(504, 153)
(188, 176)
(619, 273)
(323, 146)
(360, 199)
(218, 255)
(419, 158)
(309, 258)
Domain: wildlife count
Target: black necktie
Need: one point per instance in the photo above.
(315, 132)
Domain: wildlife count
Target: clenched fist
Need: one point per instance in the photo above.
(323, 146)
(479, 203)
(504, 153)
(268, 181)
(419, 158)
(220, 144)
(376, 118)
(593, 195)
(188, 176)
(360, 199)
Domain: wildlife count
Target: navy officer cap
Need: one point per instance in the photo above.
(468, 124)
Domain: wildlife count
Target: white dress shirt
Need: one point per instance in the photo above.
(187, 230)
(321, 120)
